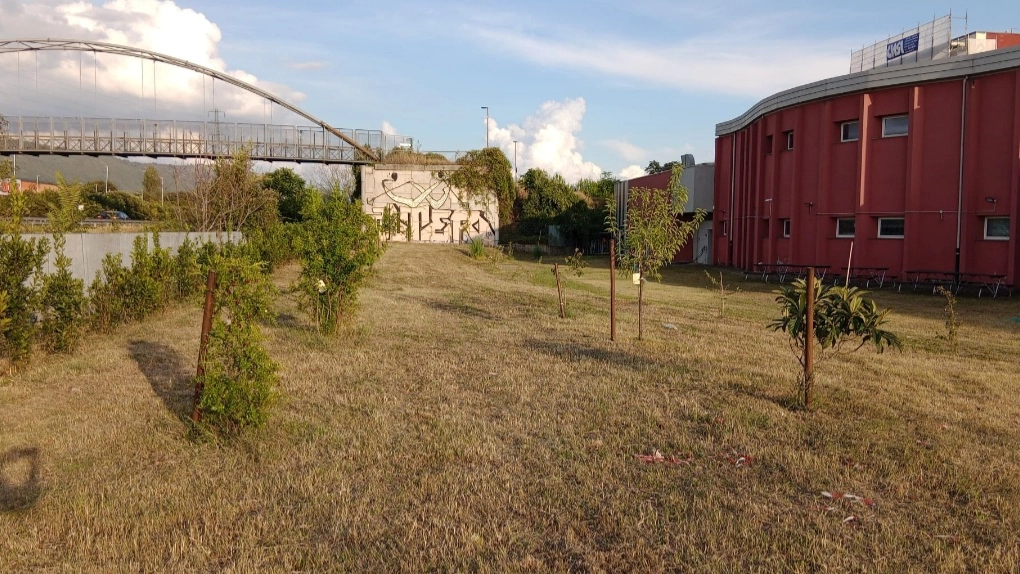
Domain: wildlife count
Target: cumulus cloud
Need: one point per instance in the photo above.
(548, 139)
(626, 150)
(632, 171)
(388, 129)
(124, 84)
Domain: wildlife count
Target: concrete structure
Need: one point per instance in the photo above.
(87, 250)
(425, 203)
(698, 179)
(916, 166)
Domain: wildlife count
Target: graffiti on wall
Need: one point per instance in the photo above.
(432, 210)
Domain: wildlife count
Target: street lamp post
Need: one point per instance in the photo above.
(161, 191)
(486, 108)
(515, 159)
(106, 184)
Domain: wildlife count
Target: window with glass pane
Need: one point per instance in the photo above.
(890, 227)
(996, 228)
(895, 126)
(845, 227)
(849, 131)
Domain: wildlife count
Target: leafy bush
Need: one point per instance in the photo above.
(477, 248)
(238, 385)
(107, 294)
(64, 304)
(337, 246)
(271, 245)
(21, 261)
(187, 271)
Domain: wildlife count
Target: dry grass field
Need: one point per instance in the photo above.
(459, 425)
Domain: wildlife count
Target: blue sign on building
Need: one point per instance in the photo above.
(902, 47)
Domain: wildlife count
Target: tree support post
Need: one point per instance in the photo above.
(203, 345)
(559, 290)
(809, 337)
(612, 289)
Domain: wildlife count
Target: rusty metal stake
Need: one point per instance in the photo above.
(612, 289)
(210, 292)
(559, 290)
(809, 337)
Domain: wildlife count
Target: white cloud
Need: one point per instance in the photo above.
(626, 150)
(125, 84)
(548, 140)
(316, 65)
(723, 63)
(388, 129)
(632, 171)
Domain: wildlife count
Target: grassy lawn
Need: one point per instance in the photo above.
(460, 425)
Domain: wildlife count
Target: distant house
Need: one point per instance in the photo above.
(699, 181)
(5, 186)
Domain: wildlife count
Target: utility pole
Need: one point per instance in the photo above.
(486, 108)
(106, 185)
(515, 158)
(161, 191)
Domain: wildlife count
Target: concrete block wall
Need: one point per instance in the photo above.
(87, 250)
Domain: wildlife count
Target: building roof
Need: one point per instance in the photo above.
(876, 78)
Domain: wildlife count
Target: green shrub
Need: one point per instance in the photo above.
(142, 289)
(239, 381)
(477, 248)
(187, 272)
(107, 294)
(337, 246)
(63, 304)
(271, 245)
(21, 262)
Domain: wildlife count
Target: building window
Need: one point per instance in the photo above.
(768, 144)
(845, 227)
(789, 139)
(997, 228)
(890, 227)
(786, 228)
(849, 131)
(894, 126)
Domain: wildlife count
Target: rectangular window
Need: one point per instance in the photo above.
(845, 227)
(890, 227)
(997, 228)
(789, 139)
(786, 228)
(849, 131)
(894, 126)
(768, 144)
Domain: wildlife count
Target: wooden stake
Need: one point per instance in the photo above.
(559, 290)
(612, 289)
(203, 345)
(809, 337)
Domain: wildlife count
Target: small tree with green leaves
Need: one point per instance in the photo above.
(152, 184)
(654, 231)
(845, 319)
(21, 262)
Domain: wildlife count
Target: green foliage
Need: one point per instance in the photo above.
(67, 212)
(655, 167)
(152, 185)
(134, 206)
(952, 322)
(64, 305)
(238, 385)
(600, 190)
(107, 293)
(187, 273)
(547, 196)
(576, 262)
(477, 248)
(842, 315)
(338, 245)
(229, 197)
(4, 319)
(483, 174)
(391, 223)
(21, 261)
(724, 292)
(653, 230)
(272, 245)
(292, 190)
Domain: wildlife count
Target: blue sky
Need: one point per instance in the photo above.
(586, 86)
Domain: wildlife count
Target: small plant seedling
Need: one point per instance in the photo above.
(576, 262)
(952, 321)
(723, 291)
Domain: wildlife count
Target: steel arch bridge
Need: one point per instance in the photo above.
(319, 142)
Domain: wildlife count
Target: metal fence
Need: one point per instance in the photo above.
(926, 42)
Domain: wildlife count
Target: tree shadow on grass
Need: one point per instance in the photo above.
(573, 351)
(167, 373)
(19, 479)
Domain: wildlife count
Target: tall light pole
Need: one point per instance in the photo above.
(515, 159)
(160, 191)
(106, 185)
(486, 108)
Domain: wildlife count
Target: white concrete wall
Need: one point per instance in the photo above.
(436, 212)
(87, 250)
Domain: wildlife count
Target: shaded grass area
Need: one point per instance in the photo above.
(459, 425)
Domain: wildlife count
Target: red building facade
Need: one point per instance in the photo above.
(915, 166)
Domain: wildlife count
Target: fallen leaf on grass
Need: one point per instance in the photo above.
(671, 460)
(836, 495)
(850, 519)
(738, 459)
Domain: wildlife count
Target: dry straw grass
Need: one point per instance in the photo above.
(461, 426)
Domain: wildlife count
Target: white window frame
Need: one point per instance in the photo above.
(887, 236)
(842, 131)
(789, 140)
(786, 227)
(854, 220)
(885, 122)
(997, 237)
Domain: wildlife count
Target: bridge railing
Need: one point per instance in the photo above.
(188, 139)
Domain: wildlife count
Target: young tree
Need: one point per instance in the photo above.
(151, 184)
(483, 174)
(654, 230)
(228, 196)
(842, 315)
(292, 190)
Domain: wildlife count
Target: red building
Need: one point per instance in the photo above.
(917, 166)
